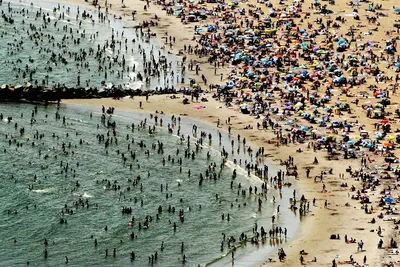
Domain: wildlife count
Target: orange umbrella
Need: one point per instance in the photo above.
(387, 144)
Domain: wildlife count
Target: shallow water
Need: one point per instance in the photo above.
(202, 227)
(37, 43)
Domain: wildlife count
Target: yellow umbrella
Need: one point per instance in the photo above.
(391, 138)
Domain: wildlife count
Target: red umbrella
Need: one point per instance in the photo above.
(384, 121)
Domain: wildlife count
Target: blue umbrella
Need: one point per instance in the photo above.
(389, 200)
(211, 28)
(303, 72)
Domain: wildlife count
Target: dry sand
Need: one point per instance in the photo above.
(321, 222)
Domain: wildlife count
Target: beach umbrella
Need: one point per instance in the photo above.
(303, 72)
(335, 123)
(391, 138)
(350, 143)
(389, 200)
(387, 144)
(298, 104)
(211, 28)
(384, 121)
(368, 145)
(315, 49)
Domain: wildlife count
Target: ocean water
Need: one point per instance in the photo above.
(41, 46)
(34, 182)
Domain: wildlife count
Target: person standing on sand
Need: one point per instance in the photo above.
(359, 246)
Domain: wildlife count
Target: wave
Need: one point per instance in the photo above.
(43, 191)
(85, 195)
(77, 120)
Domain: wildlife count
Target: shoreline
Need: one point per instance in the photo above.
(291, 246)
(242, 258)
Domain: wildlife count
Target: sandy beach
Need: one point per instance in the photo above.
(341, 215)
